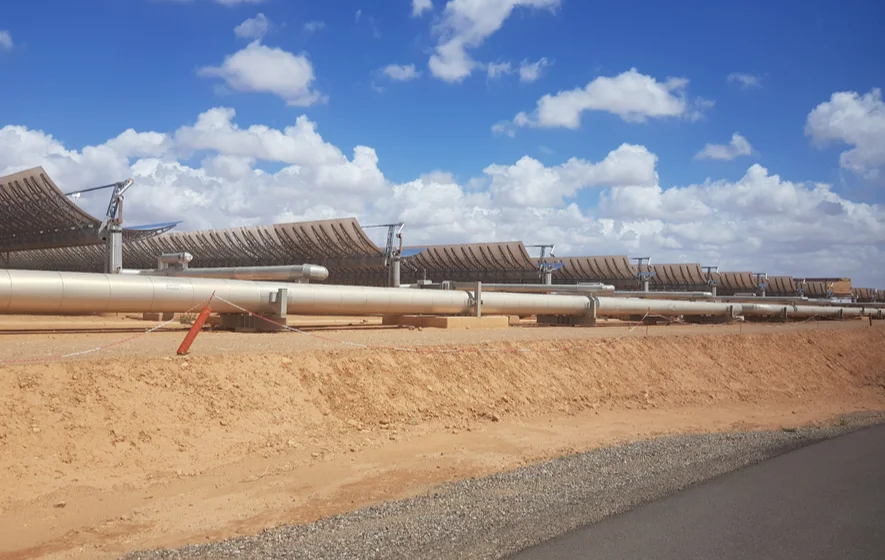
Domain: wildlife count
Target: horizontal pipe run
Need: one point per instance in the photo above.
(801, 311)
(294, 273)
(531, 288)
(764, 299)
(869, 304)
(41, 292)
(622, 307)
(661, 295)
(804, 302)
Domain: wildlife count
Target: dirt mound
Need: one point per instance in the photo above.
(118, 423)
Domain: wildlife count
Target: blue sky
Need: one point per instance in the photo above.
(85, 74)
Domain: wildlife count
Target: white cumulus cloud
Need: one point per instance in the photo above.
(856, 120)
(212, 173)
(253, 28)
(529, 183)
(400, 72)
(739, 146)
(531, 71)
(237, 2)
(465, 25)
(5, 40)
(421, 6)
(498, 69)
(632, 96)
(259, 68)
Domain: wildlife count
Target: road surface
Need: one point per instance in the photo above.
(824, 501)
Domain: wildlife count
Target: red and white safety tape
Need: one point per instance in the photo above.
(419, 349)
(432, 349)
(57, 357)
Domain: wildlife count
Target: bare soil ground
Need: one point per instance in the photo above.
(132, 447)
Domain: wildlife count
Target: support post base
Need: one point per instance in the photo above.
(567, 320)
(241, 322)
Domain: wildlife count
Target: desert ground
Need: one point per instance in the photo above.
(131, 447)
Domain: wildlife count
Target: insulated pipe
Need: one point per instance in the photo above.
(621, 307)
(766, 299)
(661, 295)
(872, 304)
(42, 292)
(802, 301)
(266, 273)
(533, 288)
(769, 310)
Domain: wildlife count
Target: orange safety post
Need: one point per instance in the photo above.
(195, 329)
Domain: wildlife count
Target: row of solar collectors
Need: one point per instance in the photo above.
(41, 228)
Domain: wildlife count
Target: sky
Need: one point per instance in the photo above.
(749, 136)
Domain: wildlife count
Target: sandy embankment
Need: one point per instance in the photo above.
(106, 455)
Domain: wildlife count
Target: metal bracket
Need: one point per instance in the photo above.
(476, 301)
(643, 275)
(114, 214)
(177, 261)
(591, 310)
(709, 270)
(391, 248)
(280, 300)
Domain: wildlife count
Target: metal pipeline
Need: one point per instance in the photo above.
(662, 295)
(622, 307)
(42, 292)
(294, 273)
(868, 304)
(527, 288)
(765, 299)
(607, 290)
(805, 311)
(805, 302)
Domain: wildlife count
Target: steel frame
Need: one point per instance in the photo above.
(35, 215)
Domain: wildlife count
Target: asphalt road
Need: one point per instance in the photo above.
(824, 501)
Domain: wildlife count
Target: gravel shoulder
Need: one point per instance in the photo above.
(498, 515)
